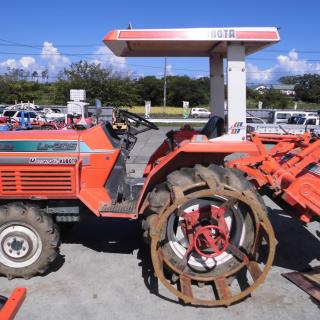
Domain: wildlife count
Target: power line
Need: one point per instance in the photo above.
(10, 43)
(55, 45)
(202, 70)
(273, 59)
(17, 43)
(296, 50)
(84, 54)
(149, 66)
(57, 54)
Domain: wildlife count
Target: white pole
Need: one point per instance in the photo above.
(165, 85)
(216, 85)
(237, 103)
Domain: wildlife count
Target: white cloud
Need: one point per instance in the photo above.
(52, 59)
(10, 63)
(169, 70)
(254, 74)
(25, 63)
(55, 60)
(106, 58)
(286, 65)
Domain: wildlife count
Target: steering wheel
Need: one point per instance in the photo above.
(138, 120)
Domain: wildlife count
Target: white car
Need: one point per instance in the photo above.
(200, 113)
(52, 114)
(254, 120)
(311, 121)
(16, 115)
(282, 116)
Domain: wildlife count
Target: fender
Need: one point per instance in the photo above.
(199, 150)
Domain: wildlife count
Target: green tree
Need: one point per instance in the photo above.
(101, 83)
(184, 88)
(275, 99)
(150, 88)
(119, 92)
(289, 79)
(308, 88)
(4, 89)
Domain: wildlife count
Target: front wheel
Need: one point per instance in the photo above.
(28, 241)
(211, 241)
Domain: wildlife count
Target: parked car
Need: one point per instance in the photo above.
(16, 115)
(200, 113)
(255, 120)
(311, 121)
(52, 114)
(282, 116)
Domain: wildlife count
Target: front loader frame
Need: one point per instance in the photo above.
(289, 169)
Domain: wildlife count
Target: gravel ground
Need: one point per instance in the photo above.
(104, 272)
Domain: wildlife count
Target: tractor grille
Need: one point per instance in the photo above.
(36, 182)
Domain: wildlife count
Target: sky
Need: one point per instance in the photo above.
(38, 35)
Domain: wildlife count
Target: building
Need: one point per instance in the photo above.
(261, 89)
(287, 89)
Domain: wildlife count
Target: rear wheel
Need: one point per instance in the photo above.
(207, 229)
(28, 241)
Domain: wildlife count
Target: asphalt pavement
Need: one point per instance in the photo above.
(104, 271)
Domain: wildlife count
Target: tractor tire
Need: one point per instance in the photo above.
(176, 257)
(29, 241)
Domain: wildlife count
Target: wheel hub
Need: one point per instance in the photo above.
(16, 246)
(210, 238)
(20, 245)
(217, 212)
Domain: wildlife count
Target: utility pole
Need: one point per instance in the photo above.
(165, 85)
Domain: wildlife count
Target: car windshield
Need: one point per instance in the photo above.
(9, 113)
(283, 115)
(311, 122)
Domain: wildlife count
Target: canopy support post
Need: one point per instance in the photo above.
(216, 85)
(237, 102)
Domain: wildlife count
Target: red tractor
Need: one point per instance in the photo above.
(207, 225)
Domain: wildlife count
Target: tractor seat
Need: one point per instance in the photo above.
(214, 127)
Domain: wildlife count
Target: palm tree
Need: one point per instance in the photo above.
(45, 75)
(35, 75)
